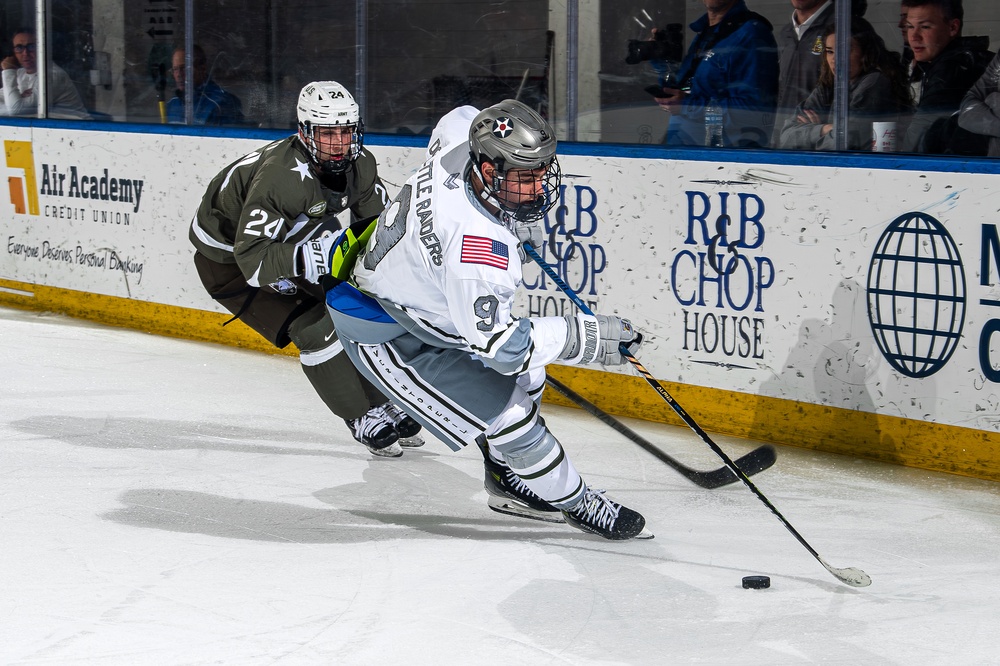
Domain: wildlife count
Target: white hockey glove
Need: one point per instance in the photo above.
(312, 257)
(526, 232)
(595, 339)
(530, 233)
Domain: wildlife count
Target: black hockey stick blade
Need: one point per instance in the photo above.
(753, 462)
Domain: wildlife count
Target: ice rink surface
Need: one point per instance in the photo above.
(170, 502)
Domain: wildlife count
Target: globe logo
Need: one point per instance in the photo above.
(916, 295)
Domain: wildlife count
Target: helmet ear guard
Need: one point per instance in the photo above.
(329, 104)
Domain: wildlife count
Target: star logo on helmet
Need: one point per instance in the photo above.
(502, 127)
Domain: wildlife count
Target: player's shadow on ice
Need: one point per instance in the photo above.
(410, 498)
(256, 520)
(168, 435)
(418, 492)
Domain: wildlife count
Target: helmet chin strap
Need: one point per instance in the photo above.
(486, 193)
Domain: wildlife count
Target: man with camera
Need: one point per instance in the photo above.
(664, 52)
(731, 66)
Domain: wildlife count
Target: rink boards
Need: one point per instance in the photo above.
(843, 304)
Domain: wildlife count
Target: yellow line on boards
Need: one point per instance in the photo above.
(859, 434)
(169, 320)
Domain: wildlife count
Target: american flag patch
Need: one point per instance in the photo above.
(479, 250)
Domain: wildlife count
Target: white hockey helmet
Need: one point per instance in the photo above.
(513, 136)
(329, 104)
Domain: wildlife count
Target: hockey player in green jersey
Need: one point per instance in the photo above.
(254, 233)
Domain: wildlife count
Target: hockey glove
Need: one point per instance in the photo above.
(526, 232)
(312, 257)
(529, 232)
(595, 339)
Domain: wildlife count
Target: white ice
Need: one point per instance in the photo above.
(170, 502)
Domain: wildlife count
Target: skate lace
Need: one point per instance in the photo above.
(597, 509)
(515, 482)
(371, 422)
(394, 413)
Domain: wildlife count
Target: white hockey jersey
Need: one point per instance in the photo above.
(448, 270)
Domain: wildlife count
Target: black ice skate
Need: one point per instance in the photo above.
(599, 515)
(406, 426)
(508, 494)
(375, 430)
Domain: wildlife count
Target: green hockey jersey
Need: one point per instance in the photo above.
(261, 206)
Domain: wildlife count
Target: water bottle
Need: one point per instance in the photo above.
(713, 124)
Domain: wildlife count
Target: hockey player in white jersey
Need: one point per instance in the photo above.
(426, 313)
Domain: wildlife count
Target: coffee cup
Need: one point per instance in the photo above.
(884, 137)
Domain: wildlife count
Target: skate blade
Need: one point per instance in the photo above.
(644, 534)
(511, 508)
(391, 451)
(411, 442)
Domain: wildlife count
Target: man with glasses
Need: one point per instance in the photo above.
(20, 83)
(213, 105)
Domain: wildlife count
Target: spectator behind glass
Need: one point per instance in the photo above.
(213, 105)
(20, 82)
(907, 53)
(734, 60)
(801, 45)
(878, 92)
(980, 112)
(946, 65)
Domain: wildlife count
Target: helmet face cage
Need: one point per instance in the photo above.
(508, 188)
(515, 139)
(327, 104)
(314, 143)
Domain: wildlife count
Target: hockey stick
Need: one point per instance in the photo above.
(756, 461)
(851, 575)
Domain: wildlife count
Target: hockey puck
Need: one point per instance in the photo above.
(756, 582)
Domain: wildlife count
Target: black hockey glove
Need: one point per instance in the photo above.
(595, 339)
